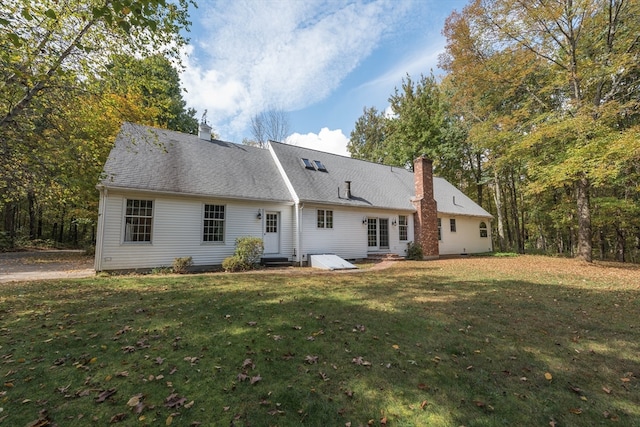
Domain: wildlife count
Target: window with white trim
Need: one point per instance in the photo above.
(452, 225)
(483, 229)
(213, 224)
(325, 218)
(138, 219)
(403, 227)
(439, 229)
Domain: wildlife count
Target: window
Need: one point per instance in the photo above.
(452, 225)
(439, 228)
(213, 225)
(319, 166)
(137, 221)
(325, 218)
(307, 164)
(483, 229)
(403, 227)
(271, 223)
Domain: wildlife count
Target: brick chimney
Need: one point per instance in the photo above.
(426, 217)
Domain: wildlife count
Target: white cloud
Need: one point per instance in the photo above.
(330, 141)
(251, 55)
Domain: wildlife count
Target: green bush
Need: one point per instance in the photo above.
(233, 263)
(414, 252)
(181, 265)
(247, 254)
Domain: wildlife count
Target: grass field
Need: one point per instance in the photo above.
(524, 341)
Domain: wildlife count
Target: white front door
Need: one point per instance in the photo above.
(272, 233)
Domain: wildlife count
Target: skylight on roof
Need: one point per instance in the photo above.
(320, 166)
(307, 164)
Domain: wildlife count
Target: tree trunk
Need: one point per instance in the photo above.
(498, 200)
(514, 214)
(620, 245)
(584, 220)
(33, 228)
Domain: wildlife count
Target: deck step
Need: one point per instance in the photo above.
(384, 257)
(275, 262)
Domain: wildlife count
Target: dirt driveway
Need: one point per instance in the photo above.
(44, 264)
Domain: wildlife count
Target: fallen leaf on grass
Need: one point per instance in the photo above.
(42, 421)
(105, 394)
(607, 390)
(423, 404)
(117, 418)
(192, 360)
(174, 401)
(548, 376)
(248, 363)
(135, 400)
(311, 359)
(360, 361)
(256, 379)
(576, 411)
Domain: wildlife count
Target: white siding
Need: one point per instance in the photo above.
(177, 231)
(466, 239)
(348, 237)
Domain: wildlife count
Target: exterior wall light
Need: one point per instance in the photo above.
(259, 216)
(364, 219)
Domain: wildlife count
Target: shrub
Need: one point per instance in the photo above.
(249, 250)
(247, 254)
(414, 252)
(233, 263)
(181, 265)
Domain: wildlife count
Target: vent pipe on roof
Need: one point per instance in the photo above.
(347, 193)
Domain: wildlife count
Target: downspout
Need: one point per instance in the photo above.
(299, 215)
(97, 262)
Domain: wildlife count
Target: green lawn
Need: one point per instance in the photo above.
(525, 341)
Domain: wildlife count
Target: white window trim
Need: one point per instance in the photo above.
(324, 218)
(123, 215)
(224, 226)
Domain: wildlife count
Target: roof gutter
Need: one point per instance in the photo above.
(199, 195)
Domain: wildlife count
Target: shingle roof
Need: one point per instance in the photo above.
(147, 158)
(453, 201)
(372, 184)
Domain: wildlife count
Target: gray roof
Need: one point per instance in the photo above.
(453, 201)
(372, 184)
(152, 159)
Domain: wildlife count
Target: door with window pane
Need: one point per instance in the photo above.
(377, 233)
(272, 233)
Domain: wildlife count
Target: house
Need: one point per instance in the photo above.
(165, 194)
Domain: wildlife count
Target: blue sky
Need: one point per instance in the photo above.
(321, 62)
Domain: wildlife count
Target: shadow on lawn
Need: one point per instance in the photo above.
(414, 346)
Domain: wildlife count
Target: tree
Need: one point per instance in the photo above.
(368, 137)
(566, 71)
(156, 83)
(272, 124)
(51, 37)
(50, 55)
(417, 123)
